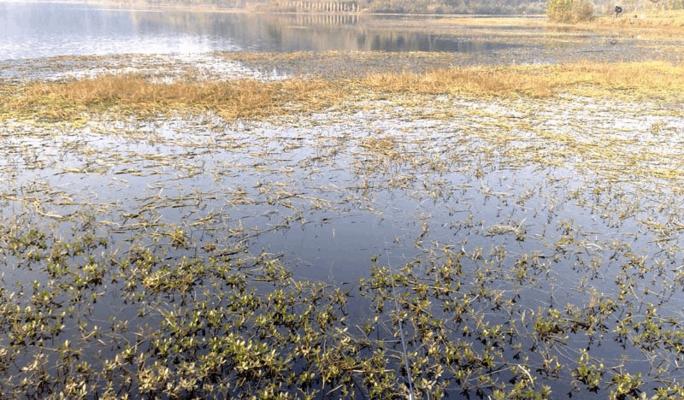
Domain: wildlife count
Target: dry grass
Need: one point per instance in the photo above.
(135, 95)
(250, 99)
(645, 79)
(668, 23)
(663, 19)
(663, 25)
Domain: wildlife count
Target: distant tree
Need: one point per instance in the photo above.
(570, 11)
(456, 6)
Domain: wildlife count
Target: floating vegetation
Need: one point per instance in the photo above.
(485, 233)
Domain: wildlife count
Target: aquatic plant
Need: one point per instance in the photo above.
(470, 245)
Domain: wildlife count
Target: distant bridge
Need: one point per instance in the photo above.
(327, 18)
(345, 6)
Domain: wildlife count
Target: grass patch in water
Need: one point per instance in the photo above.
(645, 79)
(252, 99)
(134, 95)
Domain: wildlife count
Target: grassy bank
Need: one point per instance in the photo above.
(663, 24)
(666, 24)
(248, 99)
(672, 19)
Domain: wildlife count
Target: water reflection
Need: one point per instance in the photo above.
(43, 30)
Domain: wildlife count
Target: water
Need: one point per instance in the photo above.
(35, 30)
(579, 223)
(322, 198)
(58, 41)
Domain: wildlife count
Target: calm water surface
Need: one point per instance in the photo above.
(34, 30)
(325, 197)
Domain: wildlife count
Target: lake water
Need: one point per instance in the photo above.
(554, 225)
(42, 30)
(34, 30)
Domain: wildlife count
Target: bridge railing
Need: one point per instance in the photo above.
(319, 6)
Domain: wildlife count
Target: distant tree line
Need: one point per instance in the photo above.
(394, 6)
(558, 10)
(458, 6)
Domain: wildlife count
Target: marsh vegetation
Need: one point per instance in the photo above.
(383, 225)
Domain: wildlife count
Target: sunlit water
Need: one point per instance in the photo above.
(317, 194)
(34, 30)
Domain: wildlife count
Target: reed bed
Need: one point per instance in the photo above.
(232, 100)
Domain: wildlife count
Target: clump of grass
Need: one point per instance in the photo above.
(385, 146)
(135, 95)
